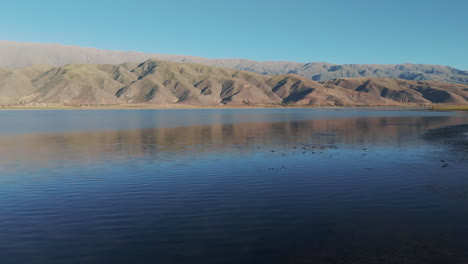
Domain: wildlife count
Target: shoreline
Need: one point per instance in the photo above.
(189, 107)
(58, 106)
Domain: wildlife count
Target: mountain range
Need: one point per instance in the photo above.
(20, 55)
(156, 82)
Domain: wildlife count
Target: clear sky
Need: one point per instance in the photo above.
(336, 31)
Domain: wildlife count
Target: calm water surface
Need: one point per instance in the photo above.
(233, 186)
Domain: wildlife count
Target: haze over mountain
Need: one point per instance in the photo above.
(162, 83)
(19, 55)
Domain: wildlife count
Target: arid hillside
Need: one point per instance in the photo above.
(22, 54)
(162, 83)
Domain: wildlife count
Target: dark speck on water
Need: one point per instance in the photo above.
(325, 134)
(206, 186)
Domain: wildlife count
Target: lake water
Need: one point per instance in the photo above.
(233, 186)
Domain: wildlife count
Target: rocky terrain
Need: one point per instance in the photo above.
(157, 82)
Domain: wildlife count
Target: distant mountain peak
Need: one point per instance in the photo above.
(20, 54)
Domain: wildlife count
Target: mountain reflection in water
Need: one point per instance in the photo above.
(299, 186)
(170, 143)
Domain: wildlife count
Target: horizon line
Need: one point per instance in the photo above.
(224, 58)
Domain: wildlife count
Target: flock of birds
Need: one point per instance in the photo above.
(319, 149)
(314, 149)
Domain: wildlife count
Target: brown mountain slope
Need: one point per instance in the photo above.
(160, 83)
(76, 84)
(16, 83)
(404, 91)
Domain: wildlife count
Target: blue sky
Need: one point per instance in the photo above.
(432, 32)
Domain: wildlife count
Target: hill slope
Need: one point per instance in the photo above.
(18, 55)
(161, 83)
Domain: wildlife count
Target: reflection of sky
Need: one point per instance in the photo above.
(174, 204)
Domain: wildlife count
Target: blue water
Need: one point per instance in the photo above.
(232, 186)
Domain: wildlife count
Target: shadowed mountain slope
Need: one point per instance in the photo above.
(403, 91)
(19, 54)
(162, 83)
